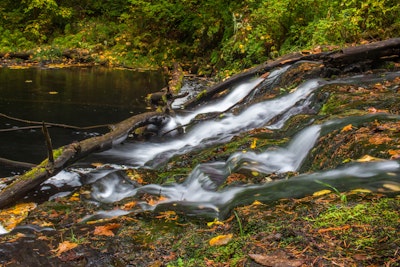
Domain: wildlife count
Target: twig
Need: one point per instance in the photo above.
(48, 143)
(17, 164)
(53, 124)
(20, 128)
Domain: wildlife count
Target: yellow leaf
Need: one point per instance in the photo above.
(106, 229)
(347, 128)
(256, 203)
(215, 222)
(11, 217)
(360, 190)
(64, 246)
(321, 192)
(254, 144)
(75, 197)
(368, 158)
(393, 187)
(254, 173)
(53, 92)
(220, 240)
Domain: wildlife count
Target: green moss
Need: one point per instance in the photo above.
(365, 223)
(201, 94)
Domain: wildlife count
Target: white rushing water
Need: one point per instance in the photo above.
(214, 131)
(201, 192)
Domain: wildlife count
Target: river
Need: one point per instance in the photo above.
(202, 192)
(75, 96)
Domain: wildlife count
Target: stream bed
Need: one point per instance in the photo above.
(291, 135)
(203, 190)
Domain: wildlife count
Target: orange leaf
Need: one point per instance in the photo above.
(153, 202)
(220, 240)
(395, 154)
(63, 247)
(378, 140)
(347, 128)
(106, 229)
(129, 205)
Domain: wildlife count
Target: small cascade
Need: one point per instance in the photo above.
(205, 191)
(215, 131)
(201, 193)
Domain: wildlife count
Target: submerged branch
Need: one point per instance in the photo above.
(65, 126)
(16, 164)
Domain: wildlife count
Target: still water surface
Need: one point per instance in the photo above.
(76, 96)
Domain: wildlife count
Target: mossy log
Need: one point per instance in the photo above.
(339, 59)
(66, 155)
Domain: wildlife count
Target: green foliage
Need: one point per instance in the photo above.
(225, 34)
(13, 40)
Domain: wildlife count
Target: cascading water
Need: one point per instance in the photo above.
(203, 192)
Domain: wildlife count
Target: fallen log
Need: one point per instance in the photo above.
(339, 59)
(66, 155)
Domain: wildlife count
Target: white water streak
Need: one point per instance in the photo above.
(257, 115)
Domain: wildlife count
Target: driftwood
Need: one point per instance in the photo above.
(66, 155)
(340, 59)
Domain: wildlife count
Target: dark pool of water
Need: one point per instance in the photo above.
(76, 96)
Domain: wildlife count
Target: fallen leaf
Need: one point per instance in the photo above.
(322, 192)
(360, 190)
(129, 205)
(153, 202)
(275, 260)
(53, 93)
(215, 222)
(393, 187)
(75, 197)
(256, 203)
(106, 229)
(63, 247)
(254, 143)
(347, 128)
(395, 154)
(11, 217)
(368, 158)
(378, 140)
(220, 240)
(97, 164)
